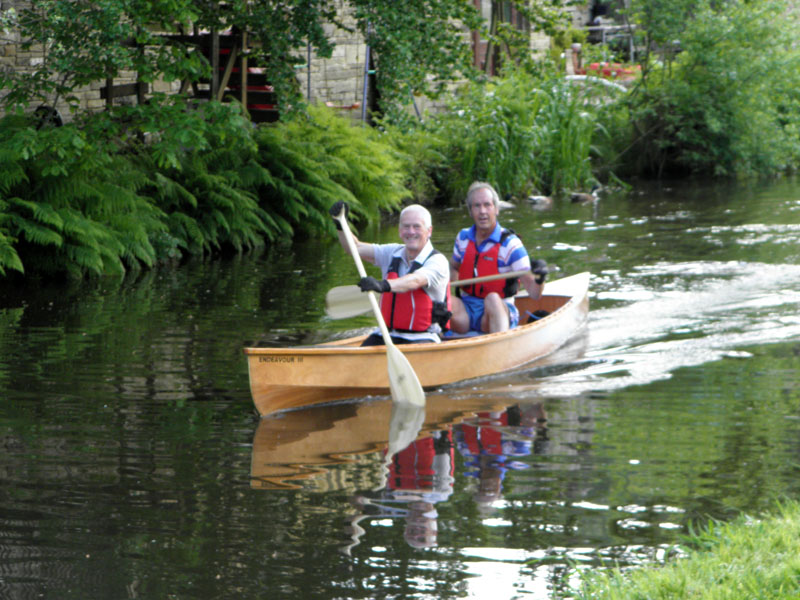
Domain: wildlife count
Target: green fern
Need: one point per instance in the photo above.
(9, 259)
(102, 202)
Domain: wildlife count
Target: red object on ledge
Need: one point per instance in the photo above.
(353, 106)
(610, 70)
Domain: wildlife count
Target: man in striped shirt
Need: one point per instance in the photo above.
(486, 248)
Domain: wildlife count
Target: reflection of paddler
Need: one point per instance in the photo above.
(490, 439)
(419, 476)
(421, 527)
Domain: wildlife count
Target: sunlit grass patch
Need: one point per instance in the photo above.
(747, 558)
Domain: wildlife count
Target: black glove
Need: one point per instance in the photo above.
(336, 210)
(540, 271)
(370, 284)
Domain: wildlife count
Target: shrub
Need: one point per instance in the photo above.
(94, 197)
(519, 132)
(728, 102)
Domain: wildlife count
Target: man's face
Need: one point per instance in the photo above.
(413, 231)
(483, 210)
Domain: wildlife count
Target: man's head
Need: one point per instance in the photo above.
(483, 204)
(415, 228)
(421, 529)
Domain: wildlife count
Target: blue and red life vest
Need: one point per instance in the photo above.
(478, 264)
(414, 468)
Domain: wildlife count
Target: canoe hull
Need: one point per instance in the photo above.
(282, 378)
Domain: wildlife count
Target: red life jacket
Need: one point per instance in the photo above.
(480, 435)
(478, 264)
(413, 468)
(413, 311)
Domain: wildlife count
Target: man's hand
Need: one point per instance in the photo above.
(540, 271)
(370, 284)
(336, 209)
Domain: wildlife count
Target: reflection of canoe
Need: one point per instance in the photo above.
(282, 378)
(303, 445)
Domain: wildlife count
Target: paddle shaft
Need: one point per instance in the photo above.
(351, 244)
(482, 278)
(347, 301)
(403, 381)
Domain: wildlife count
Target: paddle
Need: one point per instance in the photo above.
(403, 382)
(347, 301)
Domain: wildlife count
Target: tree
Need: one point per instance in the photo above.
(719, 92)
(84, 41)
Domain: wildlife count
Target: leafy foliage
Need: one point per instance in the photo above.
(520, 132)
(725, 100)
(419, 45)
(357, 161)
(213, 184)
(83, 42)
(68, 204)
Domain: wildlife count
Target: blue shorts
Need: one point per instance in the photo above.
(474, 308)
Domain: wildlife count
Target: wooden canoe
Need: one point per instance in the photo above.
(284, 378)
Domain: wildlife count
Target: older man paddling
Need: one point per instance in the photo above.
(415, 285)
(486, 248)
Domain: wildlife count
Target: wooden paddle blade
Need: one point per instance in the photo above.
(403, 381)
(405, 424)
(346, 301)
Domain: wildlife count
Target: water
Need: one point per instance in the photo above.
(129, 436)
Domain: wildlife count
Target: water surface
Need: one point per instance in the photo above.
(129, 435)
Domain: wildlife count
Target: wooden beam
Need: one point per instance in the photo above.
(227, 74)
(214, 63)
(108, 93)
(141, 89)
(243, 91)
(112, 91)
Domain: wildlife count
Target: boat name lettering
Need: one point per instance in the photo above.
(280, 359)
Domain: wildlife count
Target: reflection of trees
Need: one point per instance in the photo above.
(127, 411)
(171, 333)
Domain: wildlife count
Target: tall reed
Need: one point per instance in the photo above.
(521, 132)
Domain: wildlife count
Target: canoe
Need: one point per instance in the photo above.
(285, 378)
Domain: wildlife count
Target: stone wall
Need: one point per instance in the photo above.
(14, 57)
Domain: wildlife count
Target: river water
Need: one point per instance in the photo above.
(133, 464)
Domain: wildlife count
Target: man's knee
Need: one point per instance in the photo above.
(459, 320)
(493, 303)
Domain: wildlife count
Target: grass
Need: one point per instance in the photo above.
(747, 558)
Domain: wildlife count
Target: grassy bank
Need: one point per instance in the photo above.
(747, 558)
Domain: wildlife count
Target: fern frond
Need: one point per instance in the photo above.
(84, 257)
(9, 259)
(34, 232)
(12, 173)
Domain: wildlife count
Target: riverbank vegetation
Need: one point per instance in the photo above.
(136, 185)
(719, 90)
(747, 558)
(91, 196)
